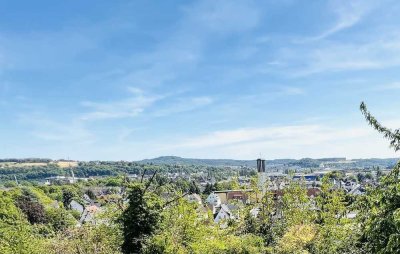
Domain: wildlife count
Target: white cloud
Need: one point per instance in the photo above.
(376, 50)
(301, 134)
(348, 14)
(377, 53)
(297, 141)
(184, 105)
(135, 90)
(141, 101)
(130, 107)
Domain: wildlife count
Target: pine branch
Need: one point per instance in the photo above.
(392, 135)
(174, 200)
(144, 172)
(149, 182)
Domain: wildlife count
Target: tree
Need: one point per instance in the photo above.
(141, 218)
(33, 210)
(194, 188)
(337, 175)
(296, 240)
(16, 234)
(335, 233)
(88, 239)
(177, 231)
(296, 205)
(207, 189)
(378, 173)
(67, 197)
(380, 213)
(185, 229)
(360, 177)
(368, 176)
(266, 225)
(90, 194)
(59, 219)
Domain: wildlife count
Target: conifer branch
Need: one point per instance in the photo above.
(392, 135)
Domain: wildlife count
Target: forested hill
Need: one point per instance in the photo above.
(175, 160)
(305, 162)
(38, 169)
(172, 160)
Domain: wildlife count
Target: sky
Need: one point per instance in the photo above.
(128, 80)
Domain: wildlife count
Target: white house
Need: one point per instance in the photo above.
(223, 214)
(213, 200)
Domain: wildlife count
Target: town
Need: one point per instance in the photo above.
(235, 185)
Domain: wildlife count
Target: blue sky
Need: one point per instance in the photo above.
(127, 80)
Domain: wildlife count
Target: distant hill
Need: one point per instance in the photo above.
(303, 163)
(339, 162)
(172, 160)
(229, 162)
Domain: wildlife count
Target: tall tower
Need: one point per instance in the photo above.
(262, 177)
(260, 165)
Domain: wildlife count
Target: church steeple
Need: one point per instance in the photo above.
(262, 177)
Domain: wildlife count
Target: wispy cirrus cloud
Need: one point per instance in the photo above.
(348, 14)
(184, 105)
(129, 107)
(377, 53)
(297, 134)
(315, 55)
(140, 101)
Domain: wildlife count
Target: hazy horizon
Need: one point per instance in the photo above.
(194, 158)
